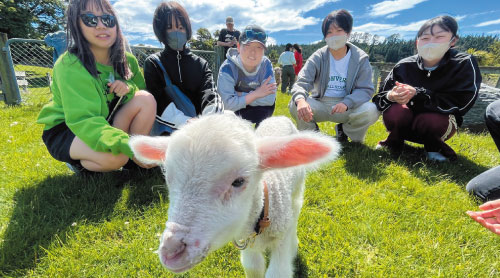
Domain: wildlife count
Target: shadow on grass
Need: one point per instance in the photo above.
(460, 171)
(300, 267)
(45, 212)
(368, 164)
(362, 161)
(146, 187)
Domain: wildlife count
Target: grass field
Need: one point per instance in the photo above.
(365, 215)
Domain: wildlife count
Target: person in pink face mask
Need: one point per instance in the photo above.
(425, 96)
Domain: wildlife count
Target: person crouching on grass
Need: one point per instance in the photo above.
(339, 77)
(246, 80)
(93, 77)
(425, 96)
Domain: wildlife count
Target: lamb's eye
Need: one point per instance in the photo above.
(238, 182)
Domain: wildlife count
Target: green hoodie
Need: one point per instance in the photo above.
(81, 101)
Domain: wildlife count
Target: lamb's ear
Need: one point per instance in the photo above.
(149, 150)
(305, 148)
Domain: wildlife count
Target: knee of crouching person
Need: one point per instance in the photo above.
(147, 100)
(114, 162)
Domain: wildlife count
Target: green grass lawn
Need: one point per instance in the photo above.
(365, 215)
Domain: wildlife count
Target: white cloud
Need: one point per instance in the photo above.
(406, 30)
(487, 23)
(136, 16)
(392, 16)
(315, 42)
(389, 7)
(271, 41)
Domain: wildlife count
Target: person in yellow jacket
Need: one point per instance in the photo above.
(98, 97)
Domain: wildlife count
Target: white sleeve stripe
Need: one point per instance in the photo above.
(476, 91)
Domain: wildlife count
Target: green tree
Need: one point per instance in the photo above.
(494, 49)
(31, 18)
(273, 56)
(216, 35)
(203, 40)
(484, 58)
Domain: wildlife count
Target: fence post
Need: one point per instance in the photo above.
(10, 89)
(376, 75)
(219, 58)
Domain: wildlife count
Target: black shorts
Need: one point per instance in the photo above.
(58, 141)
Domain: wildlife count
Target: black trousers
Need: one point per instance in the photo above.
(287, 78)
(256, 114)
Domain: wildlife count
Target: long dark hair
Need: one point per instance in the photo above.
(80, 47)
(297, 47)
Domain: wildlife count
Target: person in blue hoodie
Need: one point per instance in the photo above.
(58, 41)
(246, 80)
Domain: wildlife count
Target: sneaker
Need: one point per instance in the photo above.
(340, 134)
(77, 169)
(380, 147)
(395, 151)
(436, 156)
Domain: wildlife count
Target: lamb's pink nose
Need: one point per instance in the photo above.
(172, 242)
(172, 247)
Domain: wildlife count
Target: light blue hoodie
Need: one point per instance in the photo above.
(228, 76)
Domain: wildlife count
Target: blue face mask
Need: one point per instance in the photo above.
(176, 40)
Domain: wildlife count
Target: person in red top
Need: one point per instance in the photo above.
(298, 58)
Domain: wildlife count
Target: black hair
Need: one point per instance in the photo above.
(79, 46)
(297, 47)
(162, 20)
(446, 22)
(288, 47)
(342, 18)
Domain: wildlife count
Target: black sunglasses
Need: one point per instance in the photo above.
(90, 20)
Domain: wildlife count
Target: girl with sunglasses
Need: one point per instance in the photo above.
(425, 96)
(188, 72)
(98, 97)
(246, 79)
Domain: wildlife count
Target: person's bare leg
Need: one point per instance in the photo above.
(135, 117)
(138, 115)
(95, 161)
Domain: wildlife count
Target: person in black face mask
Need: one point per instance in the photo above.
(190, 73)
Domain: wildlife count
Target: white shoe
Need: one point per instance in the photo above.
(380, 147)
(436, 156)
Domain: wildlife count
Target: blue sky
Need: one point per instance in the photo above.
(300, 21)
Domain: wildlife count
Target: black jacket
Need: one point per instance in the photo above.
(452, 88)
(190, 73)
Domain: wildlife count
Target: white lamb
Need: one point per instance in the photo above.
(216, 168)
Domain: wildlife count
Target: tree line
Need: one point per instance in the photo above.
(486, 48)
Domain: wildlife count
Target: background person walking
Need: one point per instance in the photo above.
(287, 61)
